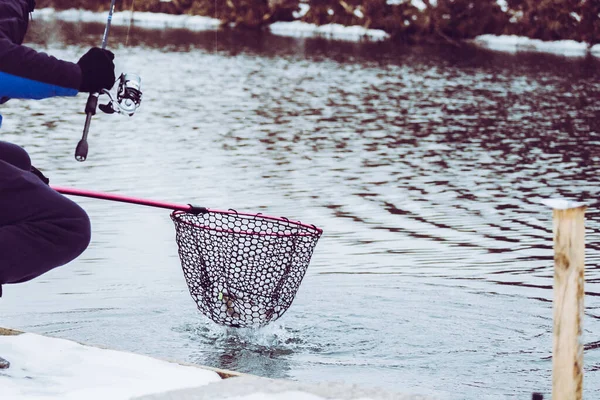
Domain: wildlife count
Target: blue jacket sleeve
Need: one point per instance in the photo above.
(27, 74)
(24, 72)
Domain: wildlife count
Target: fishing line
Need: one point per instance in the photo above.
(130, 23)
(216, 30)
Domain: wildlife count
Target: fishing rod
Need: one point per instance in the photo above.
(128, 100)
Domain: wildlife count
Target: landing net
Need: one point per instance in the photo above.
(243, 270)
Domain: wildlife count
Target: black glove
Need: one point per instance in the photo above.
(97, 70)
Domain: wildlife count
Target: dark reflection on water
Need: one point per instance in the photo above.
(424, 165)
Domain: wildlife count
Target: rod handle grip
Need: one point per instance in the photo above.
(81, 151)
(91, 104)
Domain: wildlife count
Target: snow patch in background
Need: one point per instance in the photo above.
(515, 44)
(416, 3)
(123, 18)
(302, 29)
(503, 5)
(419, 4)
(333, 31)
(51, 368)
(302, 12)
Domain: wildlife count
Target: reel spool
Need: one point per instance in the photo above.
(129, 96)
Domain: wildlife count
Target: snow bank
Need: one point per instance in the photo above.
(334, 31)
(562, 204)
(51, 368)
(258, 388)
(45, 368)
(518, 43)
(123, 18)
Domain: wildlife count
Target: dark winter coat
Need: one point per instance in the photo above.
(24, 72)
(39, 228)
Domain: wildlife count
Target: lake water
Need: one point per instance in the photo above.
(424, 166)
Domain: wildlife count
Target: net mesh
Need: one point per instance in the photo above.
(243, 270)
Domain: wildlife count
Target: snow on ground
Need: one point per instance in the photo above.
(51, 368)
(46, 368)
(258, 388)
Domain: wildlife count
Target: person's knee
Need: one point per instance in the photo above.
(70, 232)
(85, 234)
(32, 248)
(79, 232)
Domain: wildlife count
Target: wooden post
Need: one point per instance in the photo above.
(569, 256)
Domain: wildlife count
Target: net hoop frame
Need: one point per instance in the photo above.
(312, 229)
(243, 292)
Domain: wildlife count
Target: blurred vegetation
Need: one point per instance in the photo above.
(447, 20)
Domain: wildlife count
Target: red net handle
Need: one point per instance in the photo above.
(170, 206)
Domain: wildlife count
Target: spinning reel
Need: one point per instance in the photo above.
(129, 96)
